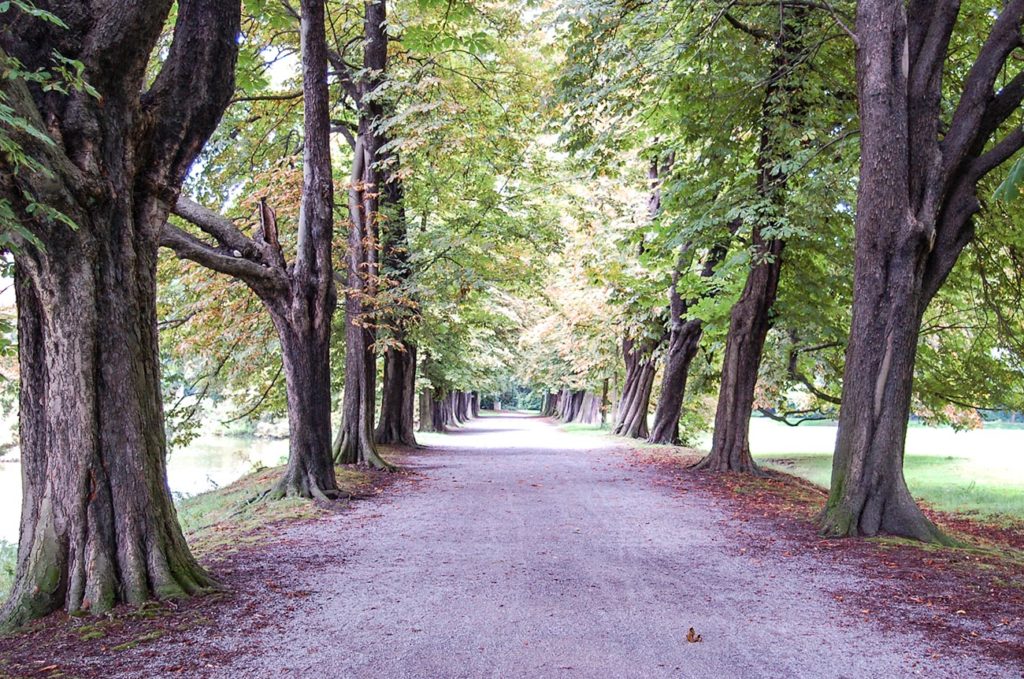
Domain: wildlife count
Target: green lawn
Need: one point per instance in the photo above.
(968, 484)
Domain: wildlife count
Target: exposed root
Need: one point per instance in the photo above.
(722, 464)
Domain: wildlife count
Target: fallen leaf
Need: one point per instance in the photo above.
(693, 637)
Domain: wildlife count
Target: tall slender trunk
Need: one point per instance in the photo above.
(355, 443)
(98, 526)
(300, 296)
(749, 322)
(751, 316)
(604, 402)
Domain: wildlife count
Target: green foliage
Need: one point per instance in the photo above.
(19, 128)
(8, 559)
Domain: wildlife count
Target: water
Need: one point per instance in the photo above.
(208, 462)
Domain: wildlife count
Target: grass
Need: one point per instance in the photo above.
(592, 429)
(957, 484)
(224, 520)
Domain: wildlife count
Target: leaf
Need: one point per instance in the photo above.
(1010, 187)
(693, 637)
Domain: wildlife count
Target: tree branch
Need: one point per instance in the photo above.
(192, 89)
(977, 94)
(187, 246)
(215, 225)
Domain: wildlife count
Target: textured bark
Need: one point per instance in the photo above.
(749, 322)
(300, 296)
(355, 444)
(631, 419)
(682, 348)
(916, 197)
(399, 393)
(683, 343)
(750, 318)
(97, 525)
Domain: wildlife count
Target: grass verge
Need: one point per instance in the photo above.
(224, 520)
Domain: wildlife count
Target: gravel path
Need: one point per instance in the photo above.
(522, 551)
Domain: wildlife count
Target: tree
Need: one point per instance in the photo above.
(751, 315)
(926, 142)
(355, 442)
(300, 296)
(98, 526)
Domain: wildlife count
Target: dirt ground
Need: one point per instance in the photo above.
(522, 551)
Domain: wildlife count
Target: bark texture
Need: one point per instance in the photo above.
(98, 526)
(683, 343)
(398, 397)
(751, 317)
(300, 296)
(631, 419)
(916, 196)
(355, 443)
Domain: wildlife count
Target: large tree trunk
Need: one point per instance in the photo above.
(98, 526)
(749, 322)
(631, 419)
(305, 351)
(917, 193)
(399, 394)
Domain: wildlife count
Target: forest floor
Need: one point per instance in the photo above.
(519, 550)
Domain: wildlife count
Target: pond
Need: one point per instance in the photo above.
(208, 462)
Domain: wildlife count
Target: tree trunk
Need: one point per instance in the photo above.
(749, 322)
(916, 197)
(300, 296)
(684, 341)
(355, 444)
(682, 349)
(399, 393)
(305, 351)
(440, 416)
(751, 316)
(426, 411)
(631, 419)
(475, 404)
(98, 526)
(604, 402)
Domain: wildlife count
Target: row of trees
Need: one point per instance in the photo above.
(707, 224)
(748, 121)
(141, 284)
